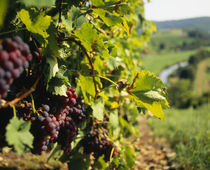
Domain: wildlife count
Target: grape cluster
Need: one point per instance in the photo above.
(14, 58)
(96, 142)
(61, 126)
(70, 117)
(45, 129)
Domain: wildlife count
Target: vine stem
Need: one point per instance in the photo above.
(11, 31)
(13, 102)
(90, 62)
(60, 13)
(132, 85)
(108, 80)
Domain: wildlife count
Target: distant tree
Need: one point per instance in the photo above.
(179, 94)
(187, 72)
(162, 46)
(194, 34)
(193, 60)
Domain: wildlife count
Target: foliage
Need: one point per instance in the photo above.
(189, 136)
(18, 134)
(189, 80)
(180, 94)
(92, 46)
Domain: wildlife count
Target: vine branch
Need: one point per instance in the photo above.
(132, 85)
(90, 62)
(13, 102)
(60, 13)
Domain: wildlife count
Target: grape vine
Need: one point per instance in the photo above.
(71, 75)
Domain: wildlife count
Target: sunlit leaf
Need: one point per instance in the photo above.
(3, 5)
(39, 3)
(18, 134)
(87, 86)
(39, 25)
(147, 93)
(98, 109)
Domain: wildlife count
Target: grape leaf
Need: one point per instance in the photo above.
(146, 92)
(18, 134)
(50, 68)
(87, 87)
(89, 37)
(75, 20)
(58, 84)
(108, 18)
(3, 5)
(149, 96)
(113, 119)
(129, 156)
(79, 161)
(113, 63)
(39, 3)
(100, 163)
(39, 25)
(98, 109)
(52, 46)
(97, 3)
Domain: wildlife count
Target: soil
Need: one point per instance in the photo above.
(152, 154)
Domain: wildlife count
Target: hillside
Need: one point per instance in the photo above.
(201, 24)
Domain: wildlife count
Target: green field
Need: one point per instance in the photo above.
(158, 62)
(171, 39)
(202, 78)
(188, 132)
(157, 59)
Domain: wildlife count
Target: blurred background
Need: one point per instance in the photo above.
(179, 52)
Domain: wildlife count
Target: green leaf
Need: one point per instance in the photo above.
(97, 3)
(39, 3)
(113, 63)
(147, 81)
(113, 119)
(79, 161)
(100, 163)
(129, 156)
(75, 20)
(98, 109)
(108, 18)
(50, 68)
(18, 134)
(55, 153)
(39, 25)
(58, 84)
(148, 92)
(52, 45)
(129, 128)
(3, 5)
(149, 96)
(87, 87)
(88, 37)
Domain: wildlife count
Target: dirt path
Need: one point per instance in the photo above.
(153, 153)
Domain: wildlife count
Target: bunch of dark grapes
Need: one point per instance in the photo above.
(96, 142)
(45, 129)
(14, 58)
(70, 117)
(57, 124)
(74, 107)
(67, 133)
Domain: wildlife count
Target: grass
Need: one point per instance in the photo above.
(202, 79)
(188, 132)
(156, 63)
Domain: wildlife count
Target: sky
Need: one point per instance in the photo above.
(161, 10)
